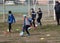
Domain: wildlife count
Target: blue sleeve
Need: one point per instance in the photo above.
(13, 18)
(30, 20)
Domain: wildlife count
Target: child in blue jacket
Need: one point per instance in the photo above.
(11, 19)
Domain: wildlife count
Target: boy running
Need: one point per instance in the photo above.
(27, 24)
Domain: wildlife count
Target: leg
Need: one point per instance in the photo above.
(57, 20)
(24, 28)
(34, 22)
(27, 29)
(37, 20)
(9, 27)
(40, 23)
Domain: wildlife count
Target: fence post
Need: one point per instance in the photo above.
(54, 10)
(3, 12)
(28, 7)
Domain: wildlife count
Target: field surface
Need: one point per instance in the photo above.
(48, 33)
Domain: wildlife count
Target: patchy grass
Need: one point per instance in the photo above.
(36, 34)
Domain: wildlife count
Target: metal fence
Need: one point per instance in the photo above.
(18, 9)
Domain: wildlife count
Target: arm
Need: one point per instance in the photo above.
(13, 19)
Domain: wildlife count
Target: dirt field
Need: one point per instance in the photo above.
(48, 33)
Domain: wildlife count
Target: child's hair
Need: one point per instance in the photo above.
(56, 1)
(10, 12)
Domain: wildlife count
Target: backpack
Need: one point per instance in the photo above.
(30, 20)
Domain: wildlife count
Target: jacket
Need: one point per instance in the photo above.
(27, 21)
(11, 18)
(39, 14)
(33, 15)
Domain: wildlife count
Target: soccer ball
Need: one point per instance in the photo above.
(21, 33)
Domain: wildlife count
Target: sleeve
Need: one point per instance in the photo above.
(30, 20)
(41, 12)
(13, 19)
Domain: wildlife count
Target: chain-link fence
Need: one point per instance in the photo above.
(23, 7)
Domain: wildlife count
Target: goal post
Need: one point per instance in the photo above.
(54, 10)
(3, 11)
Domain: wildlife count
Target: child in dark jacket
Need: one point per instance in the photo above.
(57, 12)
(11, 19)
(33, 15)
(39, 12)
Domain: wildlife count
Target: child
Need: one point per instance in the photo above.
(57, 12)
(27, 24)
(39, 16)
(33, 15)
(11, 19)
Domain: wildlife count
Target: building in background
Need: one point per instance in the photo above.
(31, 1)
(9, 2)
(20, 1)
(42, 1)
